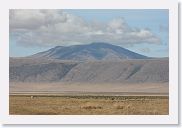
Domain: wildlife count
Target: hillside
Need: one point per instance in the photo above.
(123, 71)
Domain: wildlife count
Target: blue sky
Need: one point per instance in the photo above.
(142, 31)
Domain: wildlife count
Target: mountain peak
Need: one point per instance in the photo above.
(90, 52)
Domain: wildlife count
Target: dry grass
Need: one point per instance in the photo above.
(89, 105)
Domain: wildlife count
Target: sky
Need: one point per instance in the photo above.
(144, 31)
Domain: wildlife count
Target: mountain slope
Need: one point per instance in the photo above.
(90, 52)
(28, 70)
(125, 71)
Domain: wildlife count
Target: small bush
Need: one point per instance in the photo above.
(119, 107)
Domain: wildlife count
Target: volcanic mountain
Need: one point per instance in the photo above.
(89, 52)
(93, 63)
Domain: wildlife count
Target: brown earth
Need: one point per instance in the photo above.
(86, 88)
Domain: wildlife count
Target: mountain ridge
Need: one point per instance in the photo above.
(124, 71)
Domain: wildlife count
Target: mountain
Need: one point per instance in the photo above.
(89, 64)
(89, 52)
(123, 71)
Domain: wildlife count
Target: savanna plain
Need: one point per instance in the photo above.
(88, 105)
(111, 100)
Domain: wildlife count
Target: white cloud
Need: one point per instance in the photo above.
(118, 26)
(56, 27)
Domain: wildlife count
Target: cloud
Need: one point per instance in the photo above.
(56, 27)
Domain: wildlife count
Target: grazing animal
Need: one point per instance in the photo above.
(31, 97)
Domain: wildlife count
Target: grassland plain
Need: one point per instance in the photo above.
(88, 105)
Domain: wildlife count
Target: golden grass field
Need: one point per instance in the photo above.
(88, 105)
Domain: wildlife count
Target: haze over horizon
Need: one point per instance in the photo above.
(142, 31)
